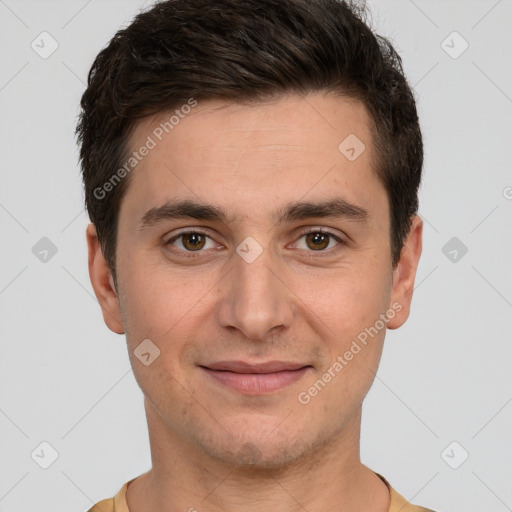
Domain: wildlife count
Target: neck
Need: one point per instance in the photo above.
(182, 477)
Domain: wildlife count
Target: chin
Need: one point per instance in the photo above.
(259, 453)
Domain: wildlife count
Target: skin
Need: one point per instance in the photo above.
(214, 448)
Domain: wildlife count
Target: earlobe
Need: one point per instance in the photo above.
(405, 273)
(103, 283)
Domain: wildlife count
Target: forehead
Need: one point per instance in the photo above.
(245, 155)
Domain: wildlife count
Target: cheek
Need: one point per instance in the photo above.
(166, 311)
(156, 303)
(354, 341)
(351, 307)
(347, 301)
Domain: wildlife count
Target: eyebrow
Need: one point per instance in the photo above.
(337, 207)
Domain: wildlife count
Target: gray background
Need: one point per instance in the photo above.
(445, 376)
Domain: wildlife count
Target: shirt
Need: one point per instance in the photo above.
(118, 502)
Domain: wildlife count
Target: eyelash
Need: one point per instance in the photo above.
(195, 254)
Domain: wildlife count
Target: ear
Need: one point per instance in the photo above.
(103, 283)
(405, 273)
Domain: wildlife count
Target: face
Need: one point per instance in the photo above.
(288, 262)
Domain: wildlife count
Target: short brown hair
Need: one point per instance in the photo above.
(245, 50)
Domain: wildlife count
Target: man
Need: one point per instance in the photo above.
(251, 170)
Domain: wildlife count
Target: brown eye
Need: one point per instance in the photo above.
(317, 240)
(320, 241)
(190, 241)
(193, 241)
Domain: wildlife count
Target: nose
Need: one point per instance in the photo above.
(255, 297)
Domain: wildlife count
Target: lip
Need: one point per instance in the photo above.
(256, 379)
(244, 367)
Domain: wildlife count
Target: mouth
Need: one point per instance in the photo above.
(256, 379)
